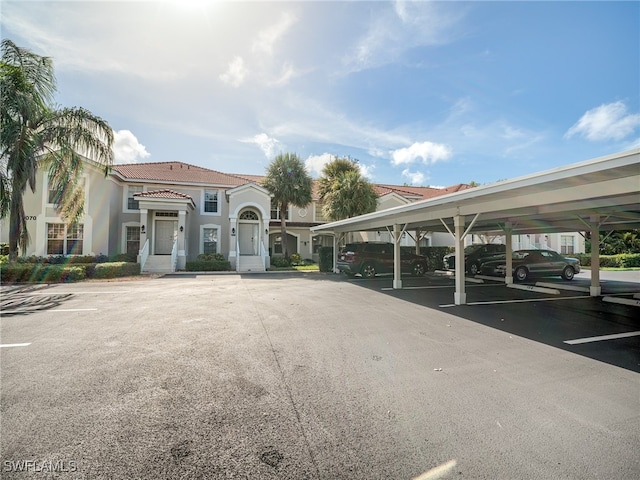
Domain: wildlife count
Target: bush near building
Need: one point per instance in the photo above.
(622, 260)
(209, 262)
(57, 269)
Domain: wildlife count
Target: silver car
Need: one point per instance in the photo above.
(526, 263)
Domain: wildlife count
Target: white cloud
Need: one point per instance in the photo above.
(315, 163)
(126, 148)
(270, 35)
(366, 170)
(236, 73)
(429, 152)
(415, 178)
(269, 146)
(606, 122)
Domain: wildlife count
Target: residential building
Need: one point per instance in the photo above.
(168, 213)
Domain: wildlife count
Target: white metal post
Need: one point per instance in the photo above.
(460, 296)
(397, 280)
(595, 288)
(508, 279)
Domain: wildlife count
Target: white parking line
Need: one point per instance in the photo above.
(602, 337)
(14, 345)
(496, 302)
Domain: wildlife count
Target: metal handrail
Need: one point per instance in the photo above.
(174, 255)
(144, 254)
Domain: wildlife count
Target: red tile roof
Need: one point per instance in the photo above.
(175, 172)
(180, 172)
(165, 193)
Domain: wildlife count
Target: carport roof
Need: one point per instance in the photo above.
(566, 199)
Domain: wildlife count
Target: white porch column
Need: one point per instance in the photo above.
(460, 296)
(595, 288)
(182, 233)
(145, 229)
(508, 279)
(397, 279)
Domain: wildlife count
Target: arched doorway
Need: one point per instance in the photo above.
(249, 233)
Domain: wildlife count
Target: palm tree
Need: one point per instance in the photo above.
(289, 184)
(34, 134)
(344, 192)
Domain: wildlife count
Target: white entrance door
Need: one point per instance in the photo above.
(165, 236)
(248, 238)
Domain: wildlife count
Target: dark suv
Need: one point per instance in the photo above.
(474, 255)
(371, 258)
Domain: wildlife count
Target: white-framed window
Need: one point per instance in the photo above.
(209, 238)
(567, 244)
(210, 202)
(52, 195)
(318, 216)
(132, 202)
(275, 212)
(63, 240)
(133, 239)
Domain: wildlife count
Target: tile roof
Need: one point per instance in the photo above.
(180, 172)
(164, 193)
(175, 172)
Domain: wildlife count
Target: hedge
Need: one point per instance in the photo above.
(622, 260)
(53, 273)
(434, 255)
(325, 255)
(116, 269)
(208, 266)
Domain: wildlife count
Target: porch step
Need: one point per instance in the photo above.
(250, 263)
(158, 264)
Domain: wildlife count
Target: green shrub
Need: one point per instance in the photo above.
(280, 262)
(434, 255)
(208, 266)
(295, 259)
(622, 260)
(4, 248)
(325, 255)
(4, 259)
(211, 257)
(115, 269)
(123, 257)
(41, 273)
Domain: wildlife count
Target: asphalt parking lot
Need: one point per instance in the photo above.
(314, 376)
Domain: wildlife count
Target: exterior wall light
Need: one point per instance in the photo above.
(142, 229)
(233, 232)
(181, 228)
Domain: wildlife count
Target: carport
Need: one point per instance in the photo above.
(598, 195)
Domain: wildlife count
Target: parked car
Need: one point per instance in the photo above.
(474, 255)
(528, 263)
(371, 258)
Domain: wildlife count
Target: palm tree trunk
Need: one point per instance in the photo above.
(16, 215)
(283, 229)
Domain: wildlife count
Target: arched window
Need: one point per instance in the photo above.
(248, 215)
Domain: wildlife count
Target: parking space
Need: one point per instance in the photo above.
(607, 331)
(289, 376)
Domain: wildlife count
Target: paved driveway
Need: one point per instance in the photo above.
(295, 376)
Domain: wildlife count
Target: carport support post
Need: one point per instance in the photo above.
(508, 239)
(595, 289)
(397, 279)
(460, 296)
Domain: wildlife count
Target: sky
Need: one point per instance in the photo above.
(419, 93)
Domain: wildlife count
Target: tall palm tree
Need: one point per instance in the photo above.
(34, 134)
(289, 184)
(344, 192)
